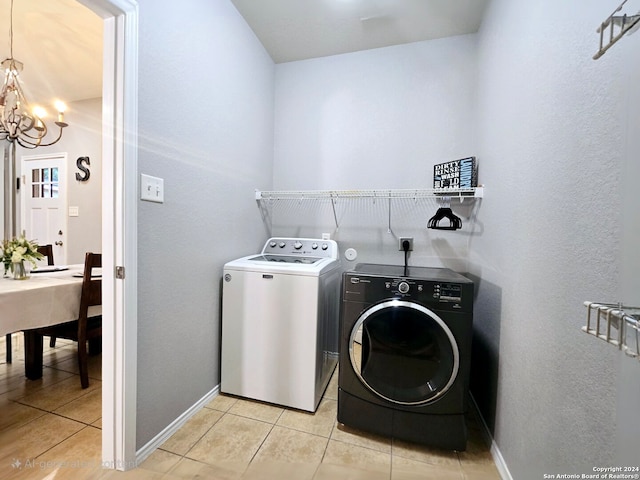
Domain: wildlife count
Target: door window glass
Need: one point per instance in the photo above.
(44, 183)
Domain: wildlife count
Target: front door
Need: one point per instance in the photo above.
(44, 201)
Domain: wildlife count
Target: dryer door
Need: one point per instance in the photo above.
(404, 352)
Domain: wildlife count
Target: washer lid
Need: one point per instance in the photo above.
(285, 259)
(257, 263)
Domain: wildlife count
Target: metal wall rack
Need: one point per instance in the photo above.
(623, 24)
(442, 194)
(616, 324)
(461, 193)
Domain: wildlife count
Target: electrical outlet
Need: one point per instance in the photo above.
(401, 241)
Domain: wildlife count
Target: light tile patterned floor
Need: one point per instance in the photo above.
(52, 427)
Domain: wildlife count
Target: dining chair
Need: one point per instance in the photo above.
(84, 329)
(47, 252)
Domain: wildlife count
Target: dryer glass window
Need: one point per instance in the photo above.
(404, 355)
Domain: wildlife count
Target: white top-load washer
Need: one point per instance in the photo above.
(280, 313)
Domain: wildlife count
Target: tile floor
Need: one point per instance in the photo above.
(52, 427)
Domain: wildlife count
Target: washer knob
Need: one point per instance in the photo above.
(282, 244)
(403, 287)
(297, 245)
(325, 246)
(314, 246)
(272, 244)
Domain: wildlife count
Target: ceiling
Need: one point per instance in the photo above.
(60, 41)
(296, 30)
(60, 44)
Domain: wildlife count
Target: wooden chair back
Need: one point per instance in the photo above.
(47, 251)
(85, 329)
(91, 294)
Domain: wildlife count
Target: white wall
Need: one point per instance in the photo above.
(551, 140)
(375, 119)
(206, 127)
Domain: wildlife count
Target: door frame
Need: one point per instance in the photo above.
(119, 229)
(24, 159)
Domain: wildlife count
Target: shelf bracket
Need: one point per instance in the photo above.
(624, 22)
(616, 324)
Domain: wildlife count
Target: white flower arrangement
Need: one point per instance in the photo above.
(18, 250)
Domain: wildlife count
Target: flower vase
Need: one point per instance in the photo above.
(20, 271)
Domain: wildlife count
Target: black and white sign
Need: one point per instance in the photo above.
(461, 173)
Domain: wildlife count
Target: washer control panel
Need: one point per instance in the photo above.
(310, 247)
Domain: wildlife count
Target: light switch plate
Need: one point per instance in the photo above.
(74, 211)
(151, 188)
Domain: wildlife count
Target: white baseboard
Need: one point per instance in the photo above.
(501, 465)
(174, 426)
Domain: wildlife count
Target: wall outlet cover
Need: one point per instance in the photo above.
(401, 240)
(151, 188)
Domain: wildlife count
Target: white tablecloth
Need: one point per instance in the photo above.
(43, 299)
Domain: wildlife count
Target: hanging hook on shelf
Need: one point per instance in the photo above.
(389, 222)
(335, 216)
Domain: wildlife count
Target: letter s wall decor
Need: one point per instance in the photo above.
(84, 176)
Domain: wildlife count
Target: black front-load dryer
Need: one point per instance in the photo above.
(405, 351)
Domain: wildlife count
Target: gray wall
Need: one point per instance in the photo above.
(376, 119)
(628, 398)
(82, 138)
(551, 139)
(206, 127)
(549, 127)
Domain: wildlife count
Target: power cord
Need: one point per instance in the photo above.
(405, 247)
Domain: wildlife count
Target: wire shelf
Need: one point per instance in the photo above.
(462, 193)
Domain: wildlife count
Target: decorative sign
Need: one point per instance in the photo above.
(461, 173)
(84, 176)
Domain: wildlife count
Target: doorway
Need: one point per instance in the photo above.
(44, 201)
(119, 237)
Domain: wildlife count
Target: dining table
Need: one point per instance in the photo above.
(49, 296)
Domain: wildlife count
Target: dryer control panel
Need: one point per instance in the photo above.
(441, 294)
(446, 292)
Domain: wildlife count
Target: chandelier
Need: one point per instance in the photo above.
(19, 123)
